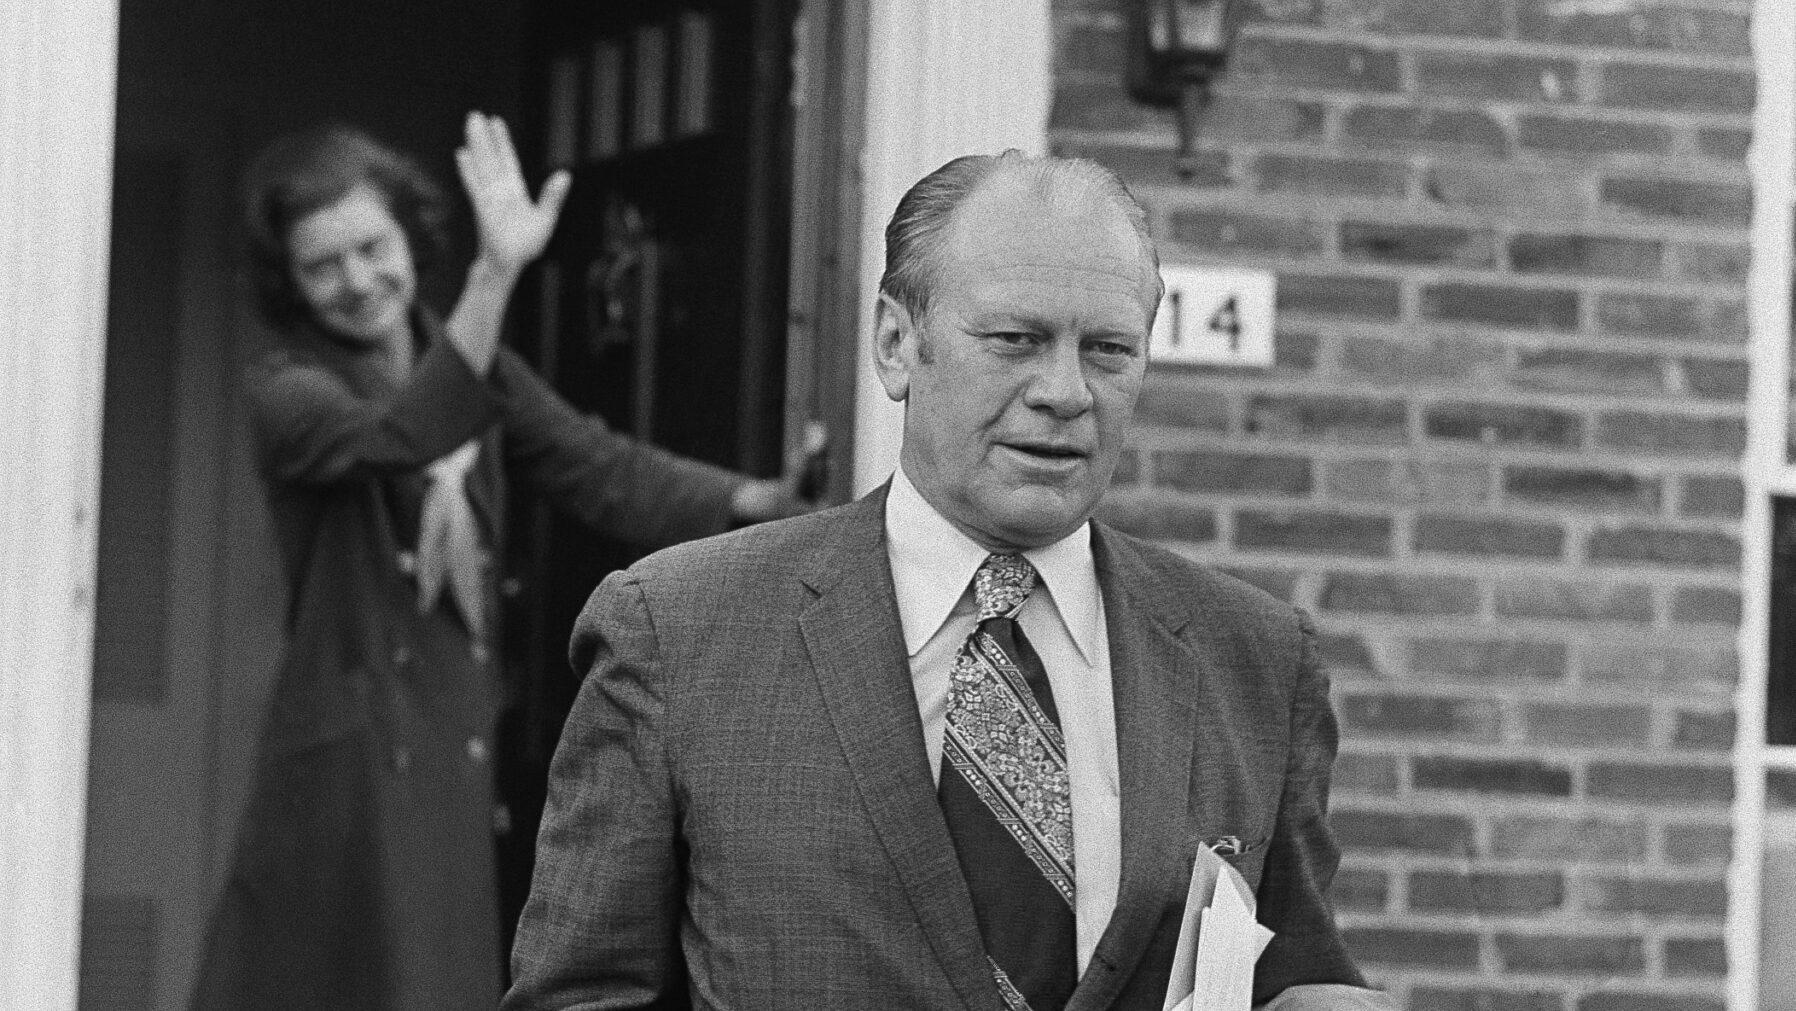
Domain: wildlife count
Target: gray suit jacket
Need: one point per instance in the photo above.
(741, 814)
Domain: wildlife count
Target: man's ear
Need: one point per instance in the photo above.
(894, 347)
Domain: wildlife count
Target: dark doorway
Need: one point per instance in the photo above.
(661, 303)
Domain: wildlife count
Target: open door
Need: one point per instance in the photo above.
(661, 304)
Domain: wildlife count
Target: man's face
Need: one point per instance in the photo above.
(1020, 382)
(353, 267)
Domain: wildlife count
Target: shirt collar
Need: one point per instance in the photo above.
(933, 563)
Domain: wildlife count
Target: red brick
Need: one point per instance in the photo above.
(1341, 177)
(1345, 419)
(1421, 716)
(1504, 424)
(1586, 840)
(1659, 897)
(1434, 949)
(1678, 89)
(1158, 517)
(1683, 435)
(1639, 545)
(1101, 103)
(1571, 953)
(1494, 77)
(1155, 165)
(1231, 232)
(1699, 845)
(1637, 26)
(1088, 44)
(1724, 144)
(1495, 660)
(1582, 489)
(1587, 725)
(1408, 17)
(1411, 128)
(1574, 601)
(1662, 784)
(1466, 536)
(1714, 261)
(1523, 777)
(1407, 481)
(1416, 244)
(1496, 305)
(1442, 834)
(1394, 593)
(1577, 371)
(1281, 583)
(1703, 731)
(1325, 66)
(1178, 405)
(1442, 998)
(1629, 1000)
(1585, 255)
(1251, 114)
(1695, 956)
(1360, 890)
(1344, 651)
(1700, 605)
(1586, 135)
(1408, 363)
(1697, 203)
(1233, 472)
(1710, 670)
(1128, 469)
(1544, 193)
(1354, 772)
(1711, 496)
(1715, 379)
(1638, 314)
(1326, 295)
(1485, 893)
(1331, 532)
(1294, 351)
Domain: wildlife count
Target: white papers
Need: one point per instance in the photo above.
(1219, 941)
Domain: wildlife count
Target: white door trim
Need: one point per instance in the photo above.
(944, 78)
(57, 82)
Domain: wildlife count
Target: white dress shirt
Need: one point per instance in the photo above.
(932, 573)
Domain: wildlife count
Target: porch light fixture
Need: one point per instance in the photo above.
(1175, 49)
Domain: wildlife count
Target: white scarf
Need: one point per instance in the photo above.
(449, 550)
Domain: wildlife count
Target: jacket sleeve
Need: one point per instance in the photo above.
(312, 429)
(600, 929)
(1306, 956)
(607, 480)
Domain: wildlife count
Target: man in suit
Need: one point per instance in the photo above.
(953, 745)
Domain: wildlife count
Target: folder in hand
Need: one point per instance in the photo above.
(1219, 941)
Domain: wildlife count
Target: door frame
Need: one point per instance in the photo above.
(57, 90)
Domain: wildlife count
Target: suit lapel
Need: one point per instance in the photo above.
(857, 654)
(1154, 675)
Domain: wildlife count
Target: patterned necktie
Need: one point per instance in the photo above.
(1005, 793)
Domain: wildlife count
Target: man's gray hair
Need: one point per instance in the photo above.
(915, 235)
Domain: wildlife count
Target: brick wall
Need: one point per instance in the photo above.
(1497, 456)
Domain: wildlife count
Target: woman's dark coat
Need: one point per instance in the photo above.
(364, 870)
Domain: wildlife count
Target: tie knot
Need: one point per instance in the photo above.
(1001, 585)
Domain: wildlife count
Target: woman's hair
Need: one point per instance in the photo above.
(307, 171)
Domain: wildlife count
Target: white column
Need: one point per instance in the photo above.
(56, 111)
(944, 78)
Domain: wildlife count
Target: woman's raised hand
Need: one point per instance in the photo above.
(513, 229)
